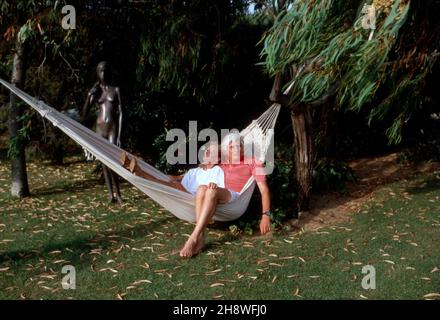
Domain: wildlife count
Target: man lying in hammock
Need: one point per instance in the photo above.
(237, 171)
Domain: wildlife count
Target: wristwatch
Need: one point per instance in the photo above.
(268, 213)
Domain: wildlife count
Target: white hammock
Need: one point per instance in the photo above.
(178, 202)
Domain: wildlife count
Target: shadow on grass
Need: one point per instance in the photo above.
(220, 243)
(68, 187)
(81, 244)
(428, 184)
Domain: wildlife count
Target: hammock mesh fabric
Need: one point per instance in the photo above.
(179, 203)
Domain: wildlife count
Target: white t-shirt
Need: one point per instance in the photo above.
(198, 176)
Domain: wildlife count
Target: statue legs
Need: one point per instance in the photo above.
(111, 178)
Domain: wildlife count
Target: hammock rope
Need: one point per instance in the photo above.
(179, 203)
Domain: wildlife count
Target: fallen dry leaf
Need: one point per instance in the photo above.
(216, 284)
(141, 281)
(275, 264)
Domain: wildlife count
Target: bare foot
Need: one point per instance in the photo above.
(200, 244)
(188, 249)
(124, 159)
(192, 248)
(133, 165)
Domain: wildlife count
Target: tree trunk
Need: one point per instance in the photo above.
(303, 138)
(303, 143)
(19, 186)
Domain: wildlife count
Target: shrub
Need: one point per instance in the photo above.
(331, 174)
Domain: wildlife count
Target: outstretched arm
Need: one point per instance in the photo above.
(118, 93)
(265, 206)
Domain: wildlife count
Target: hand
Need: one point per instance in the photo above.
(212, 185)
(118, 142)
(265, 224)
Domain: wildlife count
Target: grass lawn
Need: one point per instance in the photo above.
(130, 252)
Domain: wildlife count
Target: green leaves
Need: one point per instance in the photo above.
(4, 8)
(27, 31)
(318, 40)
(297, 34)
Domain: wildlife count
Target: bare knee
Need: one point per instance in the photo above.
(211, 194)
(200, 193)
(201, 190)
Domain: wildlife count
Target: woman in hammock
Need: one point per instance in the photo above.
(208, 173)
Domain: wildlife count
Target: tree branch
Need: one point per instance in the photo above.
(73, 71)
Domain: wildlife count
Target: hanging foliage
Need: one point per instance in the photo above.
(327, 52)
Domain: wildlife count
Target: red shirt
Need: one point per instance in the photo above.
(236, 175)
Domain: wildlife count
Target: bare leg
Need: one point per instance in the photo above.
(212, 198)
(115, 181)
(108, 183)
(135, 169)
(200, 197)
(114, 177)
(106, 171)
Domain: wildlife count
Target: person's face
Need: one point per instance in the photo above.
(211, 155)
(234, 151)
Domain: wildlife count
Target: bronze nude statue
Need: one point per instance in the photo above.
(109, 121)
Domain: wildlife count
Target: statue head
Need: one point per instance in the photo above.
(103, 71)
